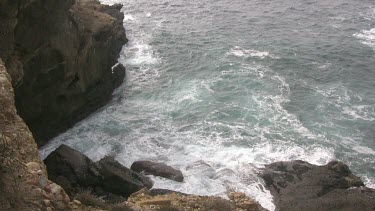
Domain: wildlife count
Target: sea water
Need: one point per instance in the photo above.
(218, 88)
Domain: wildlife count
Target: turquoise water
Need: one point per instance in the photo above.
(218, 88)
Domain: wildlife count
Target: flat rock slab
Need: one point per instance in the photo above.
(157, 169)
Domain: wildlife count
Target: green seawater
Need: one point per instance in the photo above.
(218, 88)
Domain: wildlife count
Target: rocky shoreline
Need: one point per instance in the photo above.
(56, 60)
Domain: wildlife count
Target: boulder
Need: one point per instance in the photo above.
(69, 167)
(298, 185)
(157, 169)
(73, 170)
(119, 179)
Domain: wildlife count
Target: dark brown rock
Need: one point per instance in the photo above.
(298, 185)
(157, 169)
(59, 55)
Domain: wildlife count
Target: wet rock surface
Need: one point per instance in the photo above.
(59, 55)
(298, 185)
(73, 170)
(157, 169)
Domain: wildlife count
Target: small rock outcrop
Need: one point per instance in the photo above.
(298, 185)
(59, 55)
(157, 169)
(73, 170)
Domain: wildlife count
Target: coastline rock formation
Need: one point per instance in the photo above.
(23, 178)
(74, 170)
(157, 169)
(59, 55)
(298, 185)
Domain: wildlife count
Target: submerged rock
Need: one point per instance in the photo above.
(298, 185)
(157, 169)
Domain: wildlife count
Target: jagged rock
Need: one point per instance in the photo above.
(59, 55)
(119, 179)
(298, 185)
(157, 169)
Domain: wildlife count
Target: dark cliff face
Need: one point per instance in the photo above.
(59, 54)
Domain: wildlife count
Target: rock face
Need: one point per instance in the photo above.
(72, 169)
(157, 169)
(23, 180)
(298, 185)
(59, 55)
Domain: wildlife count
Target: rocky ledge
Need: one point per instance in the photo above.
(59, 55)
(295, 185)
(100, 184)
(298, 185)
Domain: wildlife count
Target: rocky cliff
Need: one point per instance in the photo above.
(23, 178)
(59, 54)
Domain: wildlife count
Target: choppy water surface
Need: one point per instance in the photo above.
(219, 87)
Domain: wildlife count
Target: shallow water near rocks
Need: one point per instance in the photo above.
(219, 88)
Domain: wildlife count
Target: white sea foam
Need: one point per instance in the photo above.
(128, 17)
(364, 112)
(364, 150)
(240, 52)
(141, 53)
(111, 2)
(367, 37)
(369, 182)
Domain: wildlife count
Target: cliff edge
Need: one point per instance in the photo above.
(24, 184)
(60, 54)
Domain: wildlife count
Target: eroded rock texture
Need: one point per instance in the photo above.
(23, 179)
(59, 54)
(298, 185)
